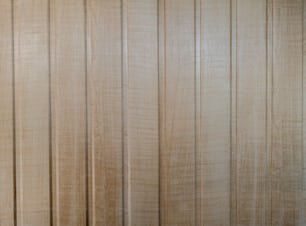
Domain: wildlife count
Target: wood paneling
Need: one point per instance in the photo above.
(152, 112)
(104, 112)
(68, 88)
(32, 112)
(6, 116)
(287, 127)
(251, 154)
(213, 137)
(141, 121)
(178, 114)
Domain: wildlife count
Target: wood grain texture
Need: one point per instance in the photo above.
(6, 116)
(68, 75)
(142, 113)
(213, 149)
(32, 111)
(104, 112)
(287, 161)
(251, 113)
(152, 112)
(178, 114)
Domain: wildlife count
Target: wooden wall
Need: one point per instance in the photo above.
(152, 113)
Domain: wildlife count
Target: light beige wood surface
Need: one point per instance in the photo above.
(287, 125)
(104, 112)
(31, 57)
(178, 115)
(213, 137)
(251, 153)
(152, 112)
(7, 200)
(141, 121)
(68, 88)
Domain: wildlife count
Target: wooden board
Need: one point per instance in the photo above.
(104, 112)
(287, 158)
(32, 112)
(68, 76)
(178, 114)
(213, 122)
(251, 154)
(7, 202)
(142, 147)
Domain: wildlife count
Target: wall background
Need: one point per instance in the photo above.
(152, 112)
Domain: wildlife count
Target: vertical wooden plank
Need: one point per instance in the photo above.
(68, 69)
(6, 116)
(32, 111)
(104, 112)
(251, 113)
(178, 115)
(213, 153)
(142, 113)
(287, 161)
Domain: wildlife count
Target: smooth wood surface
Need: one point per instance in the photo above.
(104, 112)
(251, 154)
(6, 116)
(68, 88)
(152, 112)
(178, 115)
(287, 127)
(141, 100)
(213, 137)
(32, 112)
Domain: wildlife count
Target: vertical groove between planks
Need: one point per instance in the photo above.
(14, 116)
(86, 117)
(269, 51)
(161, 80)
(302, 112)
(124, 92)
(50, 117)
(159, 108)
(197, 112)
(233, 110)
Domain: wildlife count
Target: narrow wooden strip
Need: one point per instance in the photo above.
(251, 112)
(68, 76)
(104, 112)
(124, 103)
(142, 112)
(32, 111)
(178, 110)
(161, 95)
(6, 116)
(303, 200)
(269, 104)
(213, 159)
(287, 161)
(234, 179)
